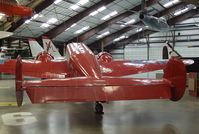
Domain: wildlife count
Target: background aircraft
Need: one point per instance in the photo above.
(89, 84)
(151, 22)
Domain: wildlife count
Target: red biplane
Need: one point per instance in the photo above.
(85, 78)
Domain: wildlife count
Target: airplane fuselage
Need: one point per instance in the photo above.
(154, 23)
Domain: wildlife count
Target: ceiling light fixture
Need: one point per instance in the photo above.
(82, 29)
(57, 1)
(52, 21)
(120, 38)
(109, 15)
(181, 11)
(97, 11)
(103, 34)
(80, 3)
(45, 25)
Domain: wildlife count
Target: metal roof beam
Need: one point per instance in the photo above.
(61, 27)
(109, 39)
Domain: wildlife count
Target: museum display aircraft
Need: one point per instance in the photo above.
(85, 78)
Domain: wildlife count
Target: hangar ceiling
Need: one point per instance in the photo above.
(94, 21)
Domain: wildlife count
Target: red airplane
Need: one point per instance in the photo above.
(91, 79)
(11, 8)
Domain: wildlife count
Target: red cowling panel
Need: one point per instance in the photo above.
(83, 59)
(89, 89)
(12, 9)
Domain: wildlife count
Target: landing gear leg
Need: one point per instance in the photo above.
(98, 108)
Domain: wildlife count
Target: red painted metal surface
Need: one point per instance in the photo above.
(176, 73)
(36, 68)
(83, 60)
(44, 56)
(93, 87)
(12, 9)
(86, 81)
(121, 68)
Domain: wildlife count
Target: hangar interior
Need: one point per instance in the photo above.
(113, 26)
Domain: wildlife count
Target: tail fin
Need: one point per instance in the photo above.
(165, 54)
(35, 47)
(18, 81)
(175, 72)
(50, 47)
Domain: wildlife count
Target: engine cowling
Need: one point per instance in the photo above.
(44, 56)
(104, 57)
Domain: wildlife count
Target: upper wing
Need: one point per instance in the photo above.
(121, 68)
(35, 68)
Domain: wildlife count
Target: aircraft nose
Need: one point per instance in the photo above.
(141, 16)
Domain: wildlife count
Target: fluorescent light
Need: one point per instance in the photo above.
(41, 15)
(74, 7)
(101, 9)
(97, 11)
(78, 31)
(181, 11)
(44, 25)
(52, 20)
(82, 2)
(103, 34)
(171, 3)
(73, 25)
(120, 38)
(82, 29)
(113, 13)
(93, 13)
(85, 28)
(139, 30)
(57, 1)
(130, 22)
(27, 21)
(35, 16)
(127, 23)
(109, 15)
(105, 17)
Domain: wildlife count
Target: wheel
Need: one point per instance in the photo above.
(98, 108)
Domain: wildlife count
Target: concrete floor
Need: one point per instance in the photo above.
(124, 117)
